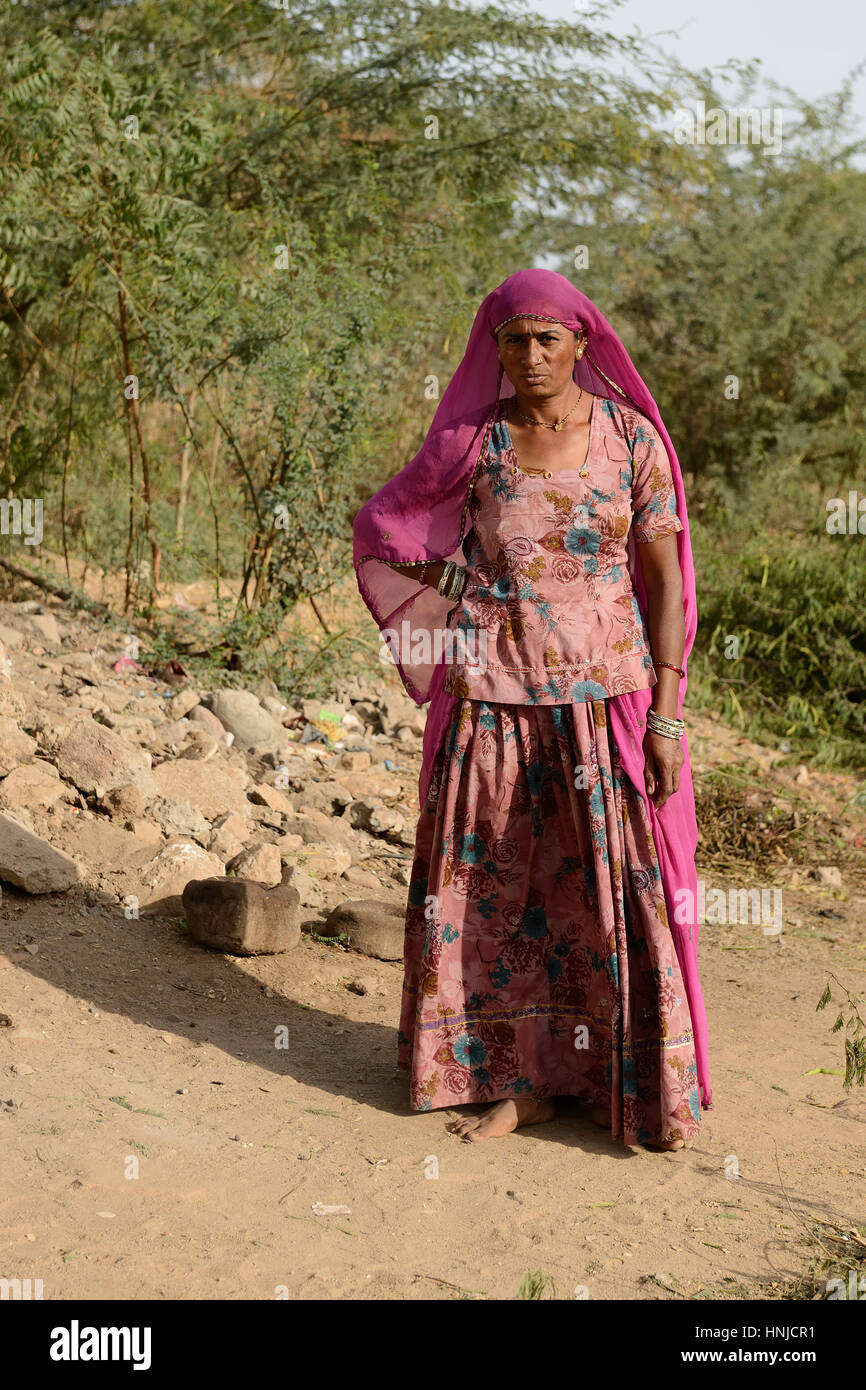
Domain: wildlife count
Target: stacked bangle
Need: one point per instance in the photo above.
(679, 670)
(661, 724)
(453, 581)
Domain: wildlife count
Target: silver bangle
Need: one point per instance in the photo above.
(445, 580)
(661, 724)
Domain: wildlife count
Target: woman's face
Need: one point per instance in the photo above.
(537, 356)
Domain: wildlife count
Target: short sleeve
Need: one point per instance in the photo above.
(654, 499)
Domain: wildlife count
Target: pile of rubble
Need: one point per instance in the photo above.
(129, 787)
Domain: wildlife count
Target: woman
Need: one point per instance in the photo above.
(531, 571)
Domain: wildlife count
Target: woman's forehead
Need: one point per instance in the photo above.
(528, 325)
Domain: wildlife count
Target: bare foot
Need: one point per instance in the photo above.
(600, 1115)
(502, 1118)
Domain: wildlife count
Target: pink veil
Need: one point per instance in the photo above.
(420, 514)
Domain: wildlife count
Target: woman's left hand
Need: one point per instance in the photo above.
(663, 758)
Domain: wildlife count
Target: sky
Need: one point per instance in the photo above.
(808, 47)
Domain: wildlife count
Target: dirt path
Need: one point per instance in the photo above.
(129, 1043)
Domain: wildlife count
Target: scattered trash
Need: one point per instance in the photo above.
(322, 1210)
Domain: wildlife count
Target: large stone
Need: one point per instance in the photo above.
(375, 818)
(317, 828)
(95, 759)
(361, 878)
(373, 927)
(123, 803)
(241, 713)
(10, 637)
(36, 784)
(45, 624)
(207, 720)
(179, 818)
(395, 708)
(370, 783)
(163, 879)
(266, 795)
(15, 746)
(182, 703)
(230, 834)
(260, 863)
(241, 917)
(325, 861)
(31, 863)
(214, 787)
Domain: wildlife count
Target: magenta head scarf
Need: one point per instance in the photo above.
(421, 514)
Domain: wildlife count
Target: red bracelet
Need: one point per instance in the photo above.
(680, 672)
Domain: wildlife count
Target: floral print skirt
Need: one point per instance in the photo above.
(538, 959)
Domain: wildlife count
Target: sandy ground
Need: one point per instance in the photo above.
(158, 1144)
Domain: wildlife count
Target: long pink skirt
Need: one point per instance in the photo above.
(538, 956)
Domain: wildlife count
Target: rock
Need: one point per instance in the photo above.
(11, 637)
(174, 733)
(95, 759)
(230, 834)
(266, 795)
(179, 818)
(241, 713)
(374, 817)
(31, 863)
(133, 728)
(274, 706)
(373, 927)
(325, 861)
(207, 720)
(164, 878)
(241, 917)
(15, 746)
(311, 890)
(287, 844)
(182, 703)
(46, 626)
(327, 712)
(37, 784)
(213, 787)
(316, 828)
(395, 708)
(361, 878)
(372, 783)
(144, 831)
(200, 751)
(12, 702)
(829, 875)
(123, 803)
(262, 863)
(355, 762)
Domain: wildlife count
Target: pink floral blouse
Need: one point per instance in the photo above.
(548, 615)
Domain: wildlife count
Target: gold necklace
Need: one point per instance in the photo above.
(559, 423)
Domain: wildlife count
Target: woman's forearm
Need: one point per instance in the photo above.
(434, 571)
(667, 634)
